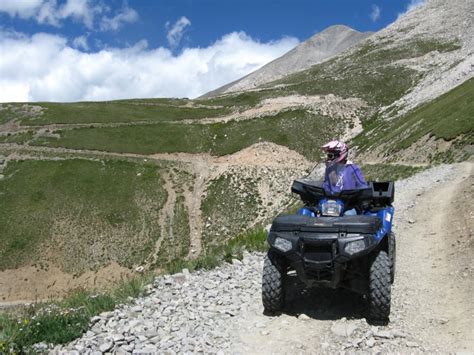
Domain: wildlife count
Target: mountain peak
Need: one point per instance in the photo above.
(333, 28)
(323, 45)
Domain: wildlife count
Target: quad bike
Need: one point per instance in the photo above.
(329, 249)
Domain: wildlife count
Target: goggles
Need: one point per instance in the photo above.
(332, 156)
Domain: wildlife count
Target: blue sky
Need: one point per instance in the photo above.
(160, 48)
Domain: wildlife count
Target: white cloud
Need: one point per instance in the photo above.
(375, 14)
(81, 43)
(80, 10)
(49, 12)
(412, 6)
(83, 11)
(44, 67)
(23, 9)
(176, 32)
(127, 15)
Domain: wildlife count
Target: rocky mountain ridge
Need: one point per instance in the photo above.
(448, 22)
(320, 47)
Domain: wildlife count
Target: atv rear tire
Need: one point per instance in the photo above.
(379, 288)
(392, 253)
(273, 290)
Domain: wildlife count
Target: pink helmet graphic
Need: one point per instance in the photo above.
(336, 151)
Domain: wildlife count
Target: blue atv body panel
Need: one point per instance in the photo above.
(331, 245)
(386, 216)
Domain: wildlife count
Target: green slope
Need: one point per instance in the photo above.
(297, 129)
(448, 117)
(370, 72)
(113, 112)
(90, 212)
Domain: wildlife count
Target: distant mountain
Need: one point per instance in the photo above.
(323, 45)
(408, 85)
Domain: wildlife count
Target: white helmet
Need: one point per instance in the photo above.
(336, 151)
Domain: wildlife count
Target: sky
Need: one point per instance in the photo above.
(93, 50)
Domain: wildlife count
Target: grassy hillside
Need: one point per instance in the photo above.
(227, 205)
(450, 117)
(123, 111)
(89, 212)
(370, 72)
(296, 129)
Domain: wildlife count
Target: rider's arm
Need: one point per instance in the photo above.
(359, 177)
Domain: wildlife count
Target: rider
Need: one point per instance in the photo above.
(341, 174)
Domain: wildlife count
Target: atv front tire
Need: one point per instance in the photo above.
(273, 290)
(379, 288)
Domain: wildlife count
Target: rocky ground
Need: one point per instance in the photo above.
(220, 311)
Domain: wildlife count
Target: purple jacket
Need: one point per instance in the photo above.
(343, 177)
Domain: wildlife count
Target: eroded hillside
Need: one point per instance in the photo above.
(69, 214)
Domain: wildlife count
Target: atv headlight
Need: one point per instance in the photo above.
(354, 246)
(283, 244)
(331, 208)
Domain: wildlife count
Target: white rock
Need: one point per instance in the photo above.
(105, 315)
(136, 309)
(398, 334)
(324, 345)
(236, 262)
(127, 347)
(79, 347)
(117, 337)
(303, 316)
(343, 329)
(40, 346)
(105, 347)
(370, 342)
(412, 344)
(383, 334)
(180, 278)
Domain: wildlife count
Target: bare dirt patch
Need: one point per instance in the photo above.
(326, 105)
(30, 283)
(265, 154)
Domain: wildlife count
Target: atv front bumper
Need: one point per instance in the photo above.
(319, 249)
